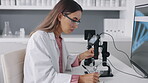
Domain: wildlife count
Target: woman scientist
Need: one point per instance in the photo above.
(46, 57)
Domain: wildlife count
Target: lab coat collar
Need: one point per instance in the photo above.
(51, 35)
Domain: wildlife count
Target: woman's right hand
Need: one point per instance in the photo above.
(89, 78)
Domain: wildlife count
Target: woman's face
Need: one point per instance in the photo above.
(70, 22)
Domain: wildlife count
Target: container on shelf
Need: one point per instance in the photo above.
(49, 2)
(12, 2)
(89, 2)
(112, 3)
(93, 3)
(38, 3)
(3, 2)
(107, 3)
(44, 2)
(102, 3)
(98, 3)
(22, 32)
(116, 3)
(123, 3)
(18, 3)
(84, 3)
(33, 2)
(6, 31)
(17, 34)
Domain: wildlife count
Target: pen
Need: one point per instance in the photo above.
(86, 68)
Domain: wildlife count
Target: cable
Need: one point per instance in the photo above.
(116, 47)
(126, 72)
(126, 56)
(123, 71)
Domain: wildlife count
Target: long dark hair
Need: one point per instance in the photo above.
(51, 22)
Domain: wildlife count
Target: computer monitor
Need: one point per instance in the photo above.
(139, 50)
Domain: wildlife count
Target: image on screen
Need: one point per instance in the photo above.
(139, 50)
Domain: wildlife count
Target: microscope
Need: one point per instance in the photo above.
(94, 40)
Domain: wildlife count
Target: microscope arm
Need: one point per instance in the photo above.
(105, 54)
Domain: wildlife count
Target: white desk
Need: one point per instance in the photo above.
(118, 76)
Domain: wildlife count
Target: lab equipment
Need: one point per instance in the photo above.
(94, 40)
(7, 31)
(17, 34)
(22, 32)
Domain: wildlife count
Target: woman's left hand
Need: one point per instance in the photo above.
(87, 54)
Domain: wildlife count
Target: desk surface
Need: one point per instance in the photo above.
(118, 76)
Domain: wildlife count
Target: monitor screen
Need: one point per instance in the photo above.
(139, 50)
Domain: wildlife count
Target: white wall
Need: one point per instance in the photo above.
(139, 2)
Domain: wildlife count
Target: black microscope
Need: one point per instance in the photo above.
(94, 40)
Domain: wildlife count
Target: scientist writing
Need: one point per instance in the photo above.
(46, 57)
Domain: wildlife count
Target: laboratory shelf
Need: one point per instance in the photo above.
(50, 8)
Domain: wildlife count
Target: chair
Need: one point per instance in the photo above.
(12, 66)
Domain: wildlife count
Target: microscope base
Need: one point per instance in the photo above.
(105, 74)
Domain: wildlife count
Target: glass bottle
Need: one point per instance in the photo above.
(22, 32)
(7, 31)
(123, 3)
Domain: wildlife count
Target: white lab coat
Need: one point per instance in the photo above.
(42, 60)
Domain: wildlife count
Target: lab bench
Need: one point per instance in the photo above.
(75, 45)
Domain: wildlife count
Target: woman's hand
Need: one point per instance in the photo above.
(89, 78)
(87, 54)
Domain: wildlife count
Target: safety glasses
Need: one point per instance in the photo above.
(74, 21)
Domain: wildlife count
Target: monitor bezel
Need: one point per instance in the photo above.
(132, 62)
